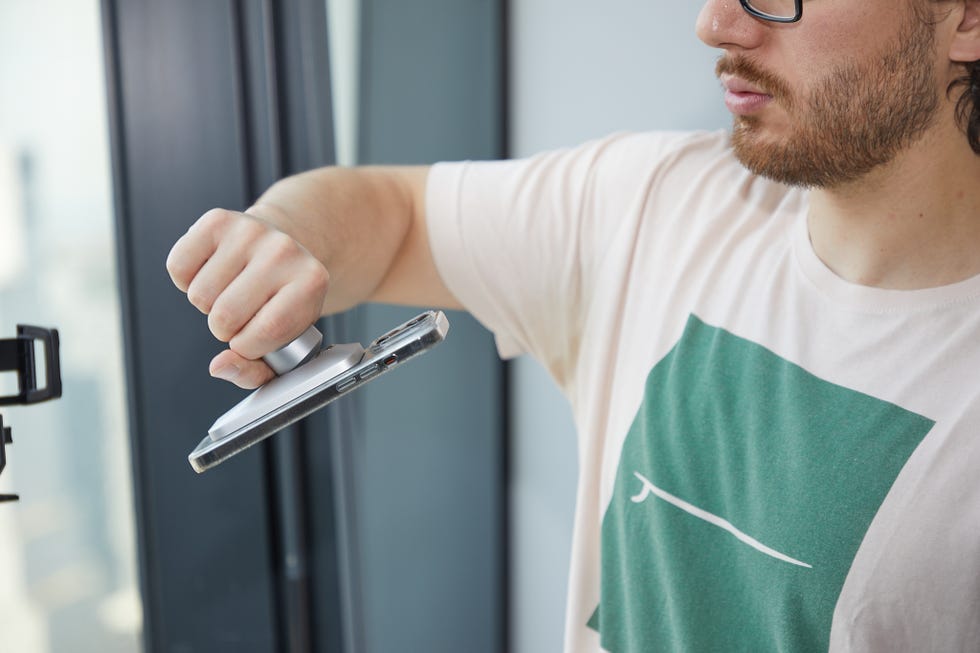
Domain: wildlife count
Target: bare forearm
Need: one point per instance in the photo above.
(356, 221)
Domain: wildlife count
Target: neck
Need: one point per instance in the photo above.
(912, 224)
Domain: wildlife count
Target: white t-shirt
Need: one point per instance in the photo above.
(772, 459)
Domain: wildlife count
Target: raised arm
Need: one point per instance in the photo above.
(315, 243)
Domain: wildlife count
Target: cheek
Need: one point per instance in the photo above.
(842, 37)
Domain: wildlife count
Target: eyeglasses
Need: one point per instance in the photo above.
(777, 11)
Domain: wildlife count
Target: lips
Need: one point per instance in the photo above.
(735, 84)
(743, 97)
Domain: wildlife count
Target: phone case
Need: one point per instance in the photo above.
(335, 371)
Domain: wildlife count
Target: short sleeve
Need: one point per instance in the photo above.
(518, 242)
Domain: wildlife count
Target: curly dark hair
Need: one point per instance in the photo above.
(968, 104)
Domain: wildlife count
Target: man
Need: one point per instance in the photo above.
(772, 365)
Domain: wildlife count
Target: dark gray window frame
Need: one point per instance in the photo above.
(276, 549)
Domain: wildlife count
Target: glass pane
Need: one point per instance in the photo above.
(67, 553)
(343, 22)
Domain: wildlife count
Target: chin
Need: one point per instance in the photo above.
(796, 160)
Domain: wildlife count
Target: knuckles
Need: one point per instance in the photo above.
(250, 230)
(180, 263)
(222, 323)
(178, 267)
(275, 329)
(216, 219)
(200, 298)
(316, 278)
(280, 248)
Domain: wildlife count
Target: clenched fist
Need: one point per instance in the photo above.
(258, 286)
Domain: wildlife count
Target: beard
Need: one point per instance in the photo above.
(858, 117)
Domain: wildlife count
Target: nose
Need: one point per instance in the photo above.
(724, 24)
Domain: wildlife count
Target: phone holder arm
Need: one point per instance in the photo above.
(17, 355)
(5, 439)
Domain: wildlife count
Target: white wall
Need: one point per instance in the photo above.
(581, 69)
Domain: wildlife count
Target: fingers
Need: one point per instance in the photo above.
(241, 299)
(257, 285)
(217, 272)
(281, 319)
(213, 252)
(193, 249)
(242, 372)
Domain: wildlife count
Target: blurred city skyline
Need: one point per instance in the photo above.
(67, 548)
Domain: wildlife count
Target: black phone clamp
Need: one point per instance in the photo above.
(18, 355)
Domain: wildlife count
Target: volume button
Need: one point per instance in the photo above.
(368, 373)
(344, 385)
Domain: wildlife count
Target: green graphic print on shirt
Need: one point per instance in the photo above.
(744, 489)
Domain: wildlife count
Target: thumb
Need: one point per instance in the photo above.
(243, 372)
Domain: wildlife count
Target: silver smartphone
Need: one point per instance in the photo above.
(335, 371)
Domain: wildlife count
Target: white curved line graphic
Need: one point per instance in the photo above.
(649, 488)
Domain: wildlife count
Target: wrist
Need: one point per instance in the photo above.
(270, 213)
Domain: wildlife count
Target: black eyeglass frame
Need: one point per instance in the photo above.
(774, 19)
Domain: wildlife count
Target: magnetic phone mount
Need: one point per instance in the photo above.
(297, 352)
(17, 355)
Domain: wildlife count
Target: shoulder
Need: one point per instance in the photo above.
(641, 149)
(675, 167)
(677, 172)
(685, 172)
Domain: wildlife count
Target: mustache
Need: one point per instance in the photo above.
(750, 72)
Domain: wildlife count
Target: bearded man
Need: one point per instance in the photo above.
(769, 338)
